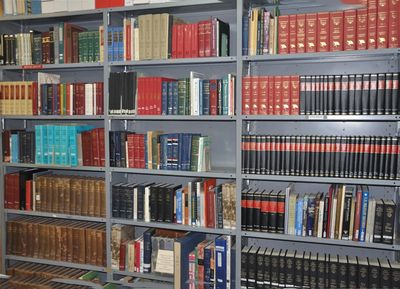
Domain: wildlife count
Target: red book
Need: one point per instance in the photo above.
(283, 34)
(311, 32)
(209, 186)
(207, 38)
(254, 95)
(122, 256)
(292, 33)
(187, 45)
(137, 256)
(246, 95)
(95, 147)
(278, 95)
(16, 192)
(34, 91)
(6, 146)
(174, 49)
(99, 98)
(336, 31)
(285, 105)
(263, 95)
(180, 40)
(362, 29)
(136, 151)
(383, 24)
(87, 148)
(350, 29)
(128, 40)
(394, 30)
(200, 264)
(195, 40)
(102, 148)
(294, 95)
(214, 97)
(109, 3)
(131, 150)
(28, 195)
(301, 33)
(141, 152)
(201, 25)
(357, 214)
(323, 32)
(8, 193)
(271, 90)
(372, 28)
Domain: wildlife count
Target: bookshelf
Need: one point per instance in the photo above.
(224, 130)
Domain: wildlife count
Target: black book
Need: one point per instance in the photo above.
(282, 267)
(337, 157)
(365, 94)
(374, 273)
(154, 191)
(382, 158)
(352, 94)
(395, 93)
(388, 157)
(328, 155)
(393, 158)
(250, 214)
(373, 94)
(388, 221)
(388, 93)
(307, 155)
(160, 203)
(321, 270)
(366, 156)
(267, 267)
(252, 267)
(290, 268)
(275, 267)
(313, 100)
(273, 153)
(378, 221)
(223, 36)
(258, 155)
(272, 216)
(260, 268)
(278, 154)
(306, 269)
(385, 273)
(244, 154)
(395, 274)
(268, 157)
(115, 211)
(219, 82)
(263, 155)
(140, 201)
(381, 94)
(344, 102)
(112, 148)
(256, 210)
(123, 201)
(318, 165)
(292, 165)
(314, 271)
(298, 269)
(318, 93)
(348, 199)
(312, 155)
(343, 156)
(352, 272)
(287, 158)
(280, 216)
(264, 211)
(363, 281)
(302, 95)
(253, 154)
(121, 144)
(130, 200)
(358, 94)
(324, 91)
(372, 157)
(342, 272)
(308, 94)
(244, 261)
(298, 155)
(331, 94)
(169, 202)
(337, 94)
(244, 209)
(333, 271)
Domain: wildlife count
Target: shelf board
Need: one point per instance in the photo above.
(354, 55)
(56, 263)
(55, 215)
(54, 167)
(329, 180)
(217, 173)
(39, 67)
(292, 238)
(177, 61)
(50, 15)
(175, 117)
(150, 276)
(372, 118)
(54, 117)
(172, 226)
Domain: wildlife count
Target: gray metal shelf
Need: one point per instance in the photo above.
(50, 15)
(218, 174)
(91, 65)
(54, 117)
(172, 226)
(335, 242)
(371, 118)
(53, 167)
(55, 215)
(150, 276)
(56, 263)
(174, 117)
(329, 180)
(177, 61)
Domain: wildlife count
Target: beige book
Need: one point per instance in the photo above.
(165, 25)
(156, 36)
(320, 217)
(292, 213)
(142, 38)
(271, 39)
(137, 44)
(333, 217)
(369, 232)
(101, 42)
(253, 31)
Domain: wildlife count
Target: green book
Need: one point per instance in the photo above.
(61, 42)
(96, 52)
(91, 43)
(181, 96)
(89, 276)
(81, 46)
(194, 158)
(187, 99)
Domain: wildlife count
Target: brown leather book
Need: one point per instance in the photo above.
(67, 195)
(102, 198)
(84, 197)
(91, 199)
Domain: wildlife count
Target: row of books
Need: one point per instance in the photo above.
(65, 145)
(200, 203)
(61, 240)
(147, 253)
(158, 151)
(163, 36)
(63, 43)
(54, 193)
(267, 32)
(31, 98)
(273, 267)
(367, 94)
(372, 157)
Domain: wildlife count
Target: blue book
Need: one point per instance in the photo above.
(207, 266)
(120, 44)
(117, 146)
(36, 6)
(64, 144)
(38, 144)
(170, 104)
(181, 150)
(14, 148)
(193, 201)
(245, 36)
(299, 217)
(179, 206)
(206, 97)
(221, 251)
(163, 151)
(182, 248)
(310, 217)
(116, 31)
(363, 213)
(57, 144)
(147, 250)
(200, 97)
(174, 97)
(50, 144)
(164, 96)
(146, 151)
(173, 153)
(111, 44)
(43, 99)
(225, 95)
(45, 145)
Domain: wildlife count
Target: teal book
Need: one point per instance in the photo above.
(44, 145)
(64, 146)
(73, 131)
(14, 148)
(57, 144)
(225, 95)
(50, 144)
(39, 144)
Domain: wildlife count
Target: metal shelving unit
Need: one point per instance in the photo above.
(233, 126)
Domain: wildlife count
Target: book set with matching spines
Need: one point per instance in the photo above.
(200, 203)
(156, 150)
(42, 191)
(368, 157)
(356, 94)
(343, 213)
(31, 98)
(163, 36)
(373, 27)
(62, 43)
(64, 145)
(273, 268)
(196, 263)
(56, 239)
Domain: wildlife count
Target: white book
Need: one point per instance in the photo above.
(94, 103)
(129, 2)
(195, 92)
(136, 44)
(141, 254)
(88, 99)
(71, 98)
(341, 213)
(8, 7)
(202, 217)
(147, 204)
(190, 188)
(127, 155)
(320, 217)
(333, 218)
(135, 203)
(289, 192)
(369, 232)
(228, 261)
(141, 2)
